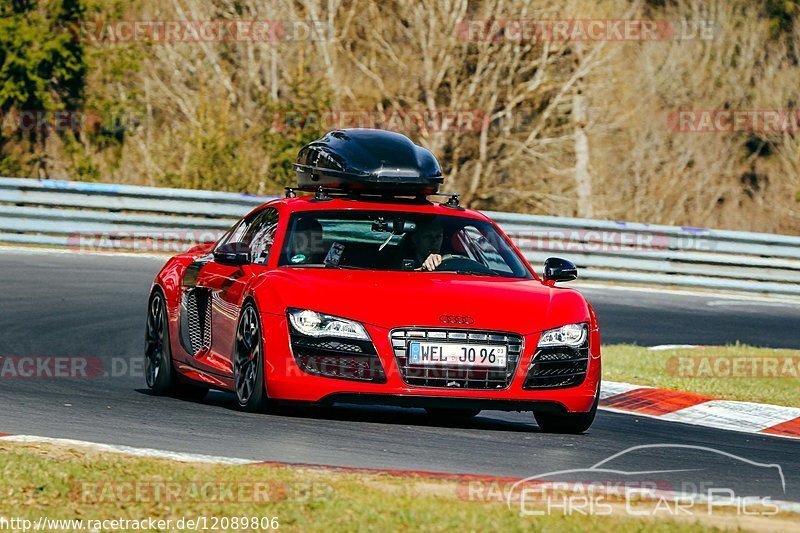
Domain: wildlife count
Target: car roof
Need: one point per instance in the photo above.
(309, 203)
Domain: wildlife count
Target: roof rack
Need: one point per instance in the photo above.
(452, 198)
(327, 193)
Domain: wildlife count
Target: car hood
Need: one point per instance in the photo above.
(405, 299)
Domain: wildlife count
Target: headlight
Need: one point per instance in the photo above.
(316, 324)
(572, 335)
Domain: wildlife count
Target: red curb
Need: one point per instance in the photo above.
(654, 401)
(790, 428)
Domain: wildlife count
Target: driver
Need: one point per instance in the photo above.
(427, 242)
(306, 245)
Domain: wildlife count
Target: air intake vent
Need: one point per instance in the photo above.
(338, 358)
(554, 368)
(198, 315)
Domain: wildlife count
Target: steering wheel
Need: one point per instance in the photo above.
(459, 263)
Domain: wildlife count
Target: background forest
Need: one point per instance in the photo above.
(564, 127)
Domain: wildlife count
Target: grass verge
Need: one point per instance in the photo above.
(77, 483)
(734, 372)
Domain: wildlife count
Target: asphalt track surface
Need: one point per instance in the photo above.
(92, 305)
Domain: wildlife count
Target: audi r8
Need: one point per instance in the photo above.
(374, 294)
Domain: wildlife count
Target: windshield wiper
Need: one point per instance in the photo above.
(471, 273)
(327, 265)
(344, 267)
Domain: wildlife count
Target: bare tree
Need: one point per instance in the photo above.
(559, 126)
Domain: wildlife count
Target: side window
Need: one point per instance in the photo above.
(256, 231)
(260, 234)
(234, 234)
(230, 235)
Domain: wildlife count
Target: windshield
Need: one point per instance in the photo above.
(399, 241)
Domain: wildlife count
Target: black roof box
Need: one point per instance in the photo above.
(370, 161)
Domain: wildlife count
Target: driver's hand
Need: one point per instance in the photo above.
(433, 261)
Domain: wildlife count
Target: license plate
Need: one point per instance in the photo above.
(468, 355)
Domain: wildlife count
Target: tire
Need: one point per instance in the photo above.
(444, 413)
(248, 362)
(160, 375)
(157, 357)
(568, 423)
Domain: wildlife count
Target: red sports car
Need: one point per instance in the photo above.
(368, 292)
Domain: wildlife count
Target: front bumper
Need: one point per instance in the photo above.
(286, 381)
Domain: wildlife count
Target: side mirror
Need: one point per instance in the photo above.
(557, 269)
(232, 253)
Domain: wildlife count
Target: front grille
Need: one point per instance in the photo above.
(337, 358)
(553, 368)
(450, 376)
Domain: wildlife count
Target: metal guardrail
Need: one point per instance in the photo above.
(91, 216)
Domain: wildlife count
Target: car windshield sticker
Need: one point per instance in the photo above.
(299, 258)
(334, 254)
